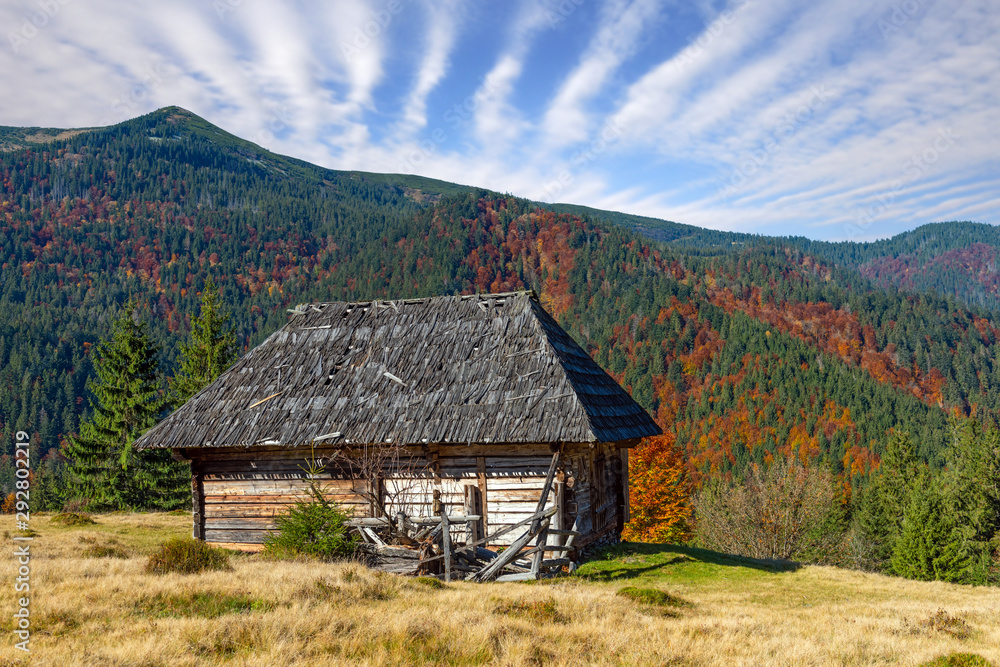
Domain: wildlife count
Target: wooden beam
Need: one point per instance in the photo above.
(560, 517)
(593, 487)
(620, 498)
(446, 543)
(481, 477)
(472, 507)
(628, 507)
(197, 502)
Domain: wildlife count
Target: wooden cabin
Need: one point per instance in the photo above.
(469, 396)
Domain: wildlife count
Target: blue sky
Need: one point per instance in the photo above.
(846, 119)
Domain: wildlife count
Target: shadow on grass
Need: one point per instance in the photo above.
(629, 560)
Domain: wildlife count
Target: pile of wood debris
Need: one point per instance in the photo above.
(425, 546)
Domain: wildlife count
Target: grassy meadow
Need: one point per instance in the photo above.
(93, 604)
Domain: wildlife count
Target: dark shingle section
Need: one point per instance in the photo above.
(474, 369)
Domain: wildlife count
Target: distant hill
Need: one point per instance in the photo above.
(685, 236)
(957, 259)
(743, 347)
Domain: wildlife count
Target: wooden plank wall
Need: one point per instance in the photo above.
(513, 488)
(242, 495)
(245, 490)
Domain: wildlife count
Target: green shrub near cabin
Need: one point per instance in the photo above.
(315, 526)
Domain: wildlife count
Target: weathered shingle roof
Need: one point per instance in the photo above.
(474, 369)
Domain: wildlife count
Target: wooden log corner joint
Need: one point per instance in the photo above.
(468, 436)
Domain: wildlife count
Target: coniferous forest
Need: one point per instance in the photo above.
(875, 366)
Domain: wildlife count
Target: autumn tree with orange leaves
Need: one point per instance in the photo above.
(659, 493)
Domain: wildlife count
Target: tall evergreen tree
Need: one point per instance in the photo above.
(971, 487)
(951, 523)
(927, 547)
(878, 520)
(212, 349)
(127, 400)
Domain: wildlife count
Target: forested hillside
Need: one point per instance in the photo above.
(740, 351)
(957, 259)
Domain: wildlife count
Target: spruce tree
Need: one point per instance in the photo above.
(126, 401)
(971, 487)
(929, 546)
(212, 349)
(878, 520)
(950, 529)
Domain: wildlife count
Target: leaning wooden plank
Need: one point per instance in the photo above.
(491, 571)
(375, 539)
(545, 490)
(546, 547)
(556, 531)
(519, 576)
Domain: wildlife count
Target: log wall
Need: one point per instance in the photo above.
(238, 493)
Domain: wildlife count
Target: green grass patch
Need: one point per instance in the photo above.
(203, 605)
(655, 563)
(187, 556)
(959, 660)
(652, 596)
(72, 519)
(539, 611)
(106, 551)
(429, 582)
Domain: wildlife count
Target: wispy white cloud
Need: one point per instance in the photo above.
(621, 24)
(497, 121)
(442, 26)
(726, 132)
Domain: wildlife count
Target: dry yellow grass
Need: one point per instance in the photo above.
(106, 611)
